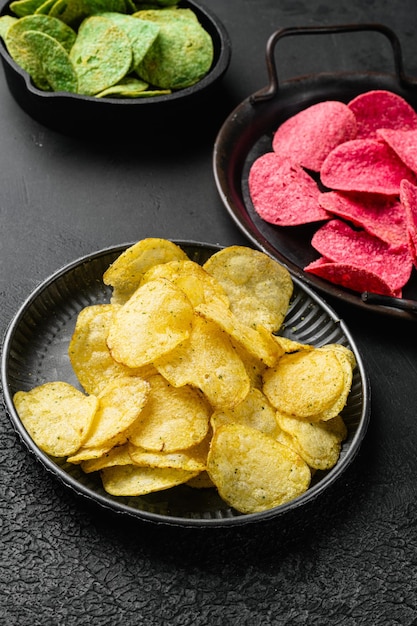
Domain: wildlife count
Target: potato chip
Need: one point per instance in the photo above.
(351, 277)
(141, 33)
(57, 416)
(191, 459)
(5, 22)
(44, 24)
(259, 289)
(283, 193)
(310, 135)
(118, 455)
(403, 142)
(340, 243)
(126, 272)
(318, 443)
(366, 165)
(254, 411)
(101, 55)
(173, 418)
(252, 471)
(306, 383)
(257, 342)
(209, 362)
(379, 108)
(88, 351)
(156, 319)
(120, 404)
(181, 54)
(132, 480)
(381, 216)
(290, 345)
(197, 284)
(22, 8)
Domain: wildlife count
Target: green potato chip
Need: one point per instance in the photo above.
(181, 54)
(71, 12)
(54, 61)
(45, 24)
(101, 55)
(25, 7)
(45, 7)
(93, 7)
(131, 88)
(141, 33)
(5, 22)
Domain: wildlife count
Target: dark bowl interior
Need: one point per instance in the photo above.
(35, 351)
(73, 113)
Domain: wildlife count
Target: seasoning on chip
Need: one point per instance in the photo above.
(365, 165)
(381, 109)
(310, 135)
(283, 193)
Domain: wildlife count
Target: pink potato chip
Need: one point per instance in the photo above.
(310, 135)
(408, 197)
(381, 109)
(283, 193)
(367, 165)
(340, 243)
(350, 276)
(382, 216)
(404, 144)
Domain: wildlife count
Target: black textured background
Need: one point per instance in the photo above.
(348, 559)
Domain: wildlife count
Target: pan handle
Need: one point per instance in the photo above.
(272, 89)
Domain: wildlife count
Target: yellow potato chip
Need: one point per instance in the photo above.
(152, 323)
(318, 443)
(192, 459)
(57, 416)
(189, 276)
(258, 342)
(209, 362)
(132, 480)
(252, 471)
(289, 345)
(119, 455)
(89, 354)
(120, 404)
(259, 288)
(254, 411)
(347, 364)
(125, 273)
(172, 419)
(305, 384)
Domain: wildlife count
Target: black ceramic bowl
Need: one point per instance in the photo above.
(35, 350)
(70, 113)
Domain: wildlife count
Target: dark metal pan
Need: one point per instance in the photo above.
(248, 131)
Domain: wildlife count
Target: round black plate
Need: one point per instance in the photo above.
(35, 351)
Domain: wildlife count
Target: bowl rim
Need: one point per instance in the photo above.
(218, 69)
